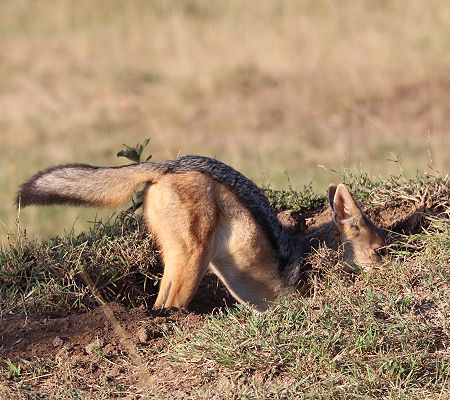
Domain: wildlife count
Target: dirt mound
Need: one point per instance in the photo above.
(99, 346)
(45, 334)
(111, 343)
(41, 334)
(403, 216)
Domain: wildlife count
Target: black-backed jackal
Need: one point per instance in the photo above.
(205, 214)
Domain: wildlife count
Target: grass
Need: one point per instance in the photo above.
(382, 333)
(117, 259)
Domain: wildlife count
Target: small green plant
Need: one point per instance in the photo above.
(98, 350)
(14, 370)
(134, 154)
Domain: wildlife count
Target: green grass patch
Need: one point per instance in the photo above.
(382, 334)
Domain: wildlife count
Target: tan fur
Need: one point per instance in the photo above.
(78, 184)
(344, 225)
(198, 223)
(363, 242)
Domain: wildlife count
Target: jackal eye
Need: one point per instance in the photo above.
(381, 251)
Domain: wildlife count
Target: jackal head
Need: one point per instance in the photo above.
(362, 241)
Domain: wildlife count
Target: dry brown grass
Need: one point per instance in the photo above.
(270, 88)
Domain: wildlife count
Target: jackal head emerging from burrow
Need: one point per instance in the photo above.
(362, 241)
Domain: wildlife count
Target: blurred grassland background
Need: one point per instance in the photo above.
(274, 88)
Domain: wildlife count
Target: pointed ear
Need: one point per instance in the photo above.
(344, 206)
(331, 192)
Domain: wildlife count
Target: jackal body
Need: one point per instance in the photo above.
(205, 214)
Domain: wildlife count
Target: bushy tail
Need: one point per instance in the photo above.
(80, 184)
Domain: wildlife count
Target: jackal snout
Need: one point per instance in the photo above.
(362, 241)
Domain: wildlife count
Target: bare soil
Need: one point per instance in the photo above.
(45, 334)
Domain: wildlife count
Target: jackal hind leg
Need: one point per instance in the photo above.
(181, 210)
(182, 275)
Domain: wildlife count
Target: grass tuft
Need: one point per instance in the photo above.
(117, 259)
